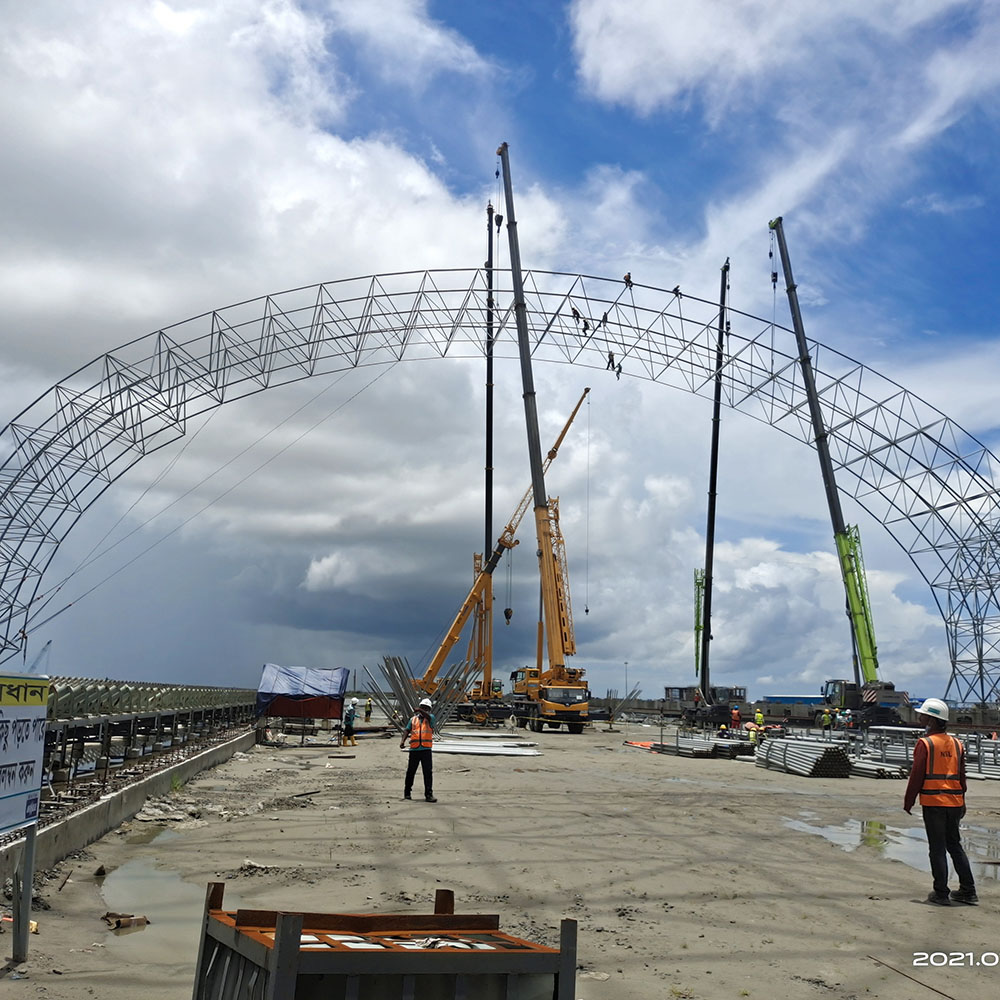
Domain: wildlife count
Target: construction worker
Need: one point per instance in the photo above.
(628, 279)
(937, 776)
(826, 720)
(368, 709)
(723, 731)
(758, 717)
(347, 737)
(420, 730)
(735, 719)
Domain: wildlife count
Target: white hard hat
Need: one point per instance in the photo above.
(425, 703)
(354, 701)
(935, 708)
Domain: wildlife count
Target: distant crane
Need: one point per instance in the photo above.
(42, 654)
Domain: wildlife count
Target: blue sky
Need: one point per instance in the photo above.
(168, 158)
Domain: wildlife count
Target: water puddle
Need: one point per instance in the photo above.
(173, 907)
(908, 845)
(151, 832)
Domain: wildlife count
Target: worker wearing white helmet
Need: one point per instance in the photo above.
(420, 730)
(937, 776)
(347, 738)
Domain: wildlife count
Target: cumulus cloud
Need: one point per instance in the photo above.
(646, 56)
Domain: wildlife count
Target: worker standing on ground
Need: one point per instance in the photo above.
(368, 709)
(758, 717)
(825, 720)
(350, 715)
(735, 719)
(938, 777)
(420, 730)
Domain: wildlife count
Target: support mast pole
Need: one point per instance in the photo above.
(486, 630)
(713, 482)
(489, 378)
(815, 412)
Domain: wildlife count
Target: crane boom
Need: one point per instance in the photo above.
(483, 577)
(859, 607)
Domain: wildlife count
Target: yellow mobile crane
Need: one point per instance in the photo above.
(558, 695)
(480, 596)
(539, 694)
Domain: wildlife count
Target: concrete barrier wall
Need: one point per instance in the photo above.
(55, 842)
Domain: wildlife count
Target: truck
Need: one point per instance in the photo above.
(874, 703)
(690, 703)
(799, 708)
(558, 695)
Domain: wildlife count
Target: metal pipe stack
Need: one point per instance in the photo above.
(810, 758)
(866, 767)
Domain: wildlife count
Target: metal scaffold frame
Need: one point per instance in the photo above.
(928, 481)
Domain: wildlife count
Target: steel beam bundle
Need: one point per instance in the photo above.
(812, 759)
(451, 690)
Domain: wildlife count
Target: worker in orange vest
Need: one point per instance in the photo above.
(420, 731)
(938, 778)
(735, 719)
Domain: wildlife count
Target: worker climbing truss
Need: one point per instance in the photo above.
(929, 482)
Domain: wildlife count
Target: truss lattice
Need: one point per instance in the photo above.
(921, 475)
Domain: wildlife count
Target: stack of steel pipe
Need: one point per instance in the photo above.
(684, 746)
(869, 767)
(810, 758)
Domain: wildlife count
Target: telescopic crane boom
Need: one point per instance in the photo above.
(506, 541)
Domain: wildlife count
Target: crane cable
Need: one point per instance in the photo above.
(221, 496)
(90, 558)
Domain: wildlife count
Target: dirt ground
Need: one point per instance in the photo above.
(689, 878)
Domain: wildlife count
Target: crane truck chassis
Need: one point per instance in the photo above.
(561, 700)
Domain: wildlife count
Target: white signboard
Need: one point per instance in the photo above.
(24, 702)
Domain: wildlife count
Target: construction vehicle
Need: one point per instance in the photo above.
(691, 704)
(559, 695)
(875, 700)
(479, 601)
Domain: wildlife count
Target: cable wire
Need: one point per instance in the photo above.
(221, 496)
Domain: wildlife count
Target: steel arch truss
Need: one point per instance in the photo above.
(928, 481)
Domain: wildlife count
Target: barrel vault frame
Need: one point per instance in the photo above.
(929, 482)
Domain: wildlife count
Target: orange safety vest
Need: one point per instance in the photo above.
(942, 780)
(421, 733)
(735, 716)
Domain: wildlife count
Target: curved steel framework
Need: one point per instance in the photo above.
(929, 482)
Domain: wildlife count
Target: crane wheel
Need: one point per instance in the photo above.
(575, 727)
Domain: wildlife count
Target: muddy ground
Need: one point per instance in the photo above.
(689, 878)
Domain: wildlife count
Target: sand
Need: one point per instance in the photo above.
(686, 876)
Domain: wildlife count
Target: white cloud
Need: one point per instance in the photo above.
(939, 204)
(407, 46)
(647, 56)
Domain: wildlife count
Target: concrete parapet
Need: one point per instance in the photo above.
(55, 842)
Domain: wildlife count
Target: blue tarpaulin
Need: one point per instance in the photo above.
(301, 692)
